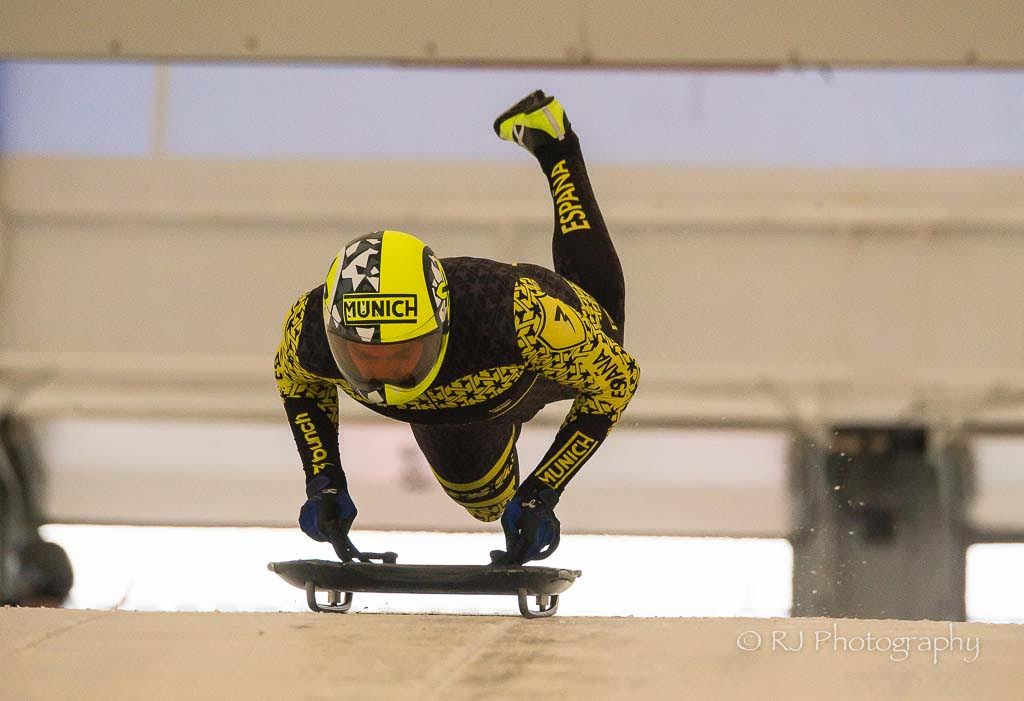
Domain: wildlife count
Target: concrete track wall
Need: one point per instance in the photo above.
(111, 655)
(596, 32)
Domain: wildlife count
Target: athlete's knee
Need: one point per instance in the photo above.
(485, 497)
(487, 514)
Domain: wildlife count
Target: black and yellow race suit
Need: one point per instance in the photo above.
(521, 337)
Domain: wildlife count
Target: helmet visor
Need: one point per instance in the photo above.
(402, 364)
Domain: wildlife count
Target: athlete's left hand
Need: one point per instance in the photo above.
(531, 528)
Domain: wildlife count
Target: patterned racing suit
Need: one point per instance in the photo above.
(521, 337)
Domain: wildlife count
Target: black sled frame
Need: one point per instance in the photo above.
(341, 579)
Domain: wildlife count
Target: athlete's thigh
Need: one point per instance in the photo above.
(476, 464)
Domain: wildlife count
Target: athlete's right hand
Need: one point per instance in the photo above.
(328, 512)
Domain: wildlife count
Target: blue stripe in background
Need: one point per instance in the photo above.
(80, 109)
(894, 118)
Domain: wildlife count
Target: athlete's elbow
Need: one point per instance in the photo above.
(632, 377)
(624, 387)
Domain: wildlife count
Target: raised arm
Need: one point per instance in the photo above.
(571, 344)
(564, 335)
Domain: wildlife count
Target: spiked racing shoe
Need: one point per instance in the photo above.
(536, 120)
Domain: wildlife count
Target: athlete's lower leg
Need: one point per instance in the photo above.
(581, 246)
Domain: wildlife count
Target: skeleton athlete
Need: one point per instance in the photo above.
(466, 350)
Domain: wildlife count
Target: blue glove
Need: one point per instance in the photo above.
(328, 512)
(532, 530)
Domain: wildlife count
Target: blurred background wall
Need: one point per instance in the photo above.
(798, 246)
(802, 245)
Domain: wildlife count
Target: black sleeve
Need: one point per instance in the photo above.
(311, 404)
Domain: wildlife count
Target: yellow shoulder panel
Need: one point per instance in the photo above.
(569, 347)
(293, 380)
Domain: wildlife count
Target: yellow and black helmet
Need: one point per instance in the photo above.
(387, 315)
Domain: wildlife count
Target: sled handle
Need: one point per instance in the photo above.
(347, 551)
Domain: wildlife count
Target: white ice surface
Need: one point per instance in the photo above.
(203, 569)
(995, 580)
